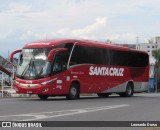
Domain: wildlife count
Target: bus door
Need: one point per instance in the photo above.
(59, 68)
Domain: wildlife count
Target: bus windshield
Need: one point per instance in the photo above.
(33, 63)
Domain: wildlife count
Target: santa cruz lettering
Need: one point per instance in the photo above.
(105, 71)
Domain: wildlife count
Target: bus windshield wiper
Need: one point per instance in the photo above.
(36, 73)
(26, 67)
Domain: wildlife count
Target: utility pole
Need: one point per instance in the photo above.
(8, 55)
(156, 67)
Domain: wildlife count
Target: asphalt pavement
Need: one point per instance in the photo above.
(140, 107)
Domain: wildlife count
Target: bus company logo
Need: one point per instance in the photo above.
(105, 71)
(28, 82)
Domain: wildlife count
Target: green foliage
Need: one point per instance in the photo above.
(156, 55)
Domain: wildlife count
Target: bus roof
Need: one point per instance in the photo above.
(56, 42)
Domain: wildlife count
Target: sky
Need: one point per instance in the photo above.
(121, 21)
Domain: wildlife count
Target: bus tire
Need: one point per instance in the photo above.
(103, 95)
(43, 97)
(129, 91)
(73, 92)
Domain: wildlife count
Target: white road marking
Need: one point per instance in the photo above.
(52, 114)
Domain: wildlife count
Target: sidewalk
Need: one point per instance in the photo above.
(148, 94)
(11, 93)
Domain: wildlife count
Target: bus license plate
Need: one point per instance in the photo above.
(29, 92)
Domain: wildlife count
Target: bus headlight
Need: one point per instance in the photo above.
(49, 81)
(17, 82)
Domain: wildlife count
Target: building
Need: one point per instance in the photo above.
(131, 46)
(152, 44)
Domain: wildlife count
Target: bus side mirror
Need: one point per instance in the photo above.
(53, 52)
(13, 53)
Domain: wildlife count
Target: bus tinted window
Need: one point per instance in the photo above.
(67, 53)
(79, 55)
(102, 56)
(107, 57)
(138, 59)
(89, 55)
(118, 58)
(95, 55)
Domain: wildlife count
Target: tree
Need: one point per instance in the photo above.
(156, 55)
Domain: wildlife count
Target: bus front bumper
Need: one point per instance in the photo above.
(48, 89)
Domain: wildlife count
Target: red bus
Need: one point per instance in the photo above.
(70, 67)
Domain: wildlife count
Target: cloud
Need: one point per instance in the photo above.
(88, 31)
(18, 8)
(26, 35)
(23, 21)
(122, 38)
(5, 35)
(100, 23)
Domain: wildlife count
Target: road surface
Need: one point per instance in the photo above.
(140, 107)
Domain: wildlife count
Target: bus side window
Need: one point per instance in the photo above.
(79, 56)
(57, 64)
(138, 59)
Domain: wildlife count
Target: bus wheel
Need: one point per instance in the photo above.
(129, 91)
(43, 97)
(73, 92)
(103, 95)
